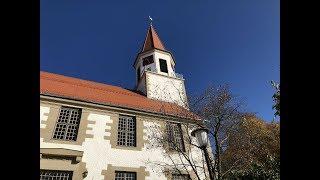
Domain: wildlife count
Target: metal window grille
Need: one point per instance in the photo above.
(68, 124)
(181, 177)
(121, 175)
(127, 131)
(175, 137)
(55, 175)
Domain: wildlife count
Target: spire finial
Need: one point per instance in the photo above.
(150, 20)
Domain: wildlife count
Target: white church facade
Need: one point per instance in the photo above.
(95, 131)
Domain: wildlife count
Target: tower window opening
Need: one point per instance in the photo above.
(138, 74)
(147, 60)
(163, 66)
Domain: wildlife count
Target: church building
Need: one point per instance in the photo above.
(95, 131)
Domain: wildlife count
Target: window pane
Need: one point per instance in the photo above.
(126, 131)
(122, 175)
(51, 174)
(67, 124)
(175, 137)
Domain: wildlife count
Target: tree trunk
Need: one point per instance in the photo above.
(217, 146)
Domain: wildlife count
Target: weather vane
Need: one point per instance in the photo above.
(150, 20)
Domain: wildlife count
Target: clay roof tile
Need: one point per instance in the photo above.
(152, 41)
(78, 89)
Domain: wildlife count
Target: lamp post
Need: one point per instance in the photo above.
(201, 135)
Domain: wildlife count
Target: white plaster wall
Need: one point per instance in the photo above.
(98, 152)
(44, 111)
(156, 155)
(142, 85)
(166, 89)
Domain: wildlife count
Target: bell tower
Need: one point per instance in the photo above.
(155, 72)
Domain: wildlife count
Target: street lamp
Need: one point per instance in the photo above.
(201, 135)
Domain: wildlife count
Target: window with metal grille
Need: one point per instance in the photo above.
(68, 124)
(122, 175)
(181, 177)
(55, 175)
(175, 137)
(163, 65)
(126, 131)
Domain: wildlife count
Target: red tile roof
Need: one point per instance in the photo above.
(78, 89)
(152, 41)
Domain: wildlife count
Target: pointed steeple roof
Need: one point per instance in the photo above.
(152, 41)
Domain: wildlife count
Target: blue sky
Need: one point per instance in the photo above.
(213, 41)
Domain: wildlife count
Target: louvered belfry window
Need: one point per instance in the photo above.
(175, 137)
(126, 131)
(67, 125)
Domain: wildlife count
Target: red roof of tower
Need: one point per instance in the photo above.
(152, 41)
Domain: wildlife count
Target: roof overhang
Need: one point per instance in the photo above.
(190, 119)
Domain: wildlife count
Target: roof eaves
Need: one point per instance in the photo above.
(112, 105)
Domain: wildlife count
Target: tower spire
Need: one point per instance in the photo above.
(155, 73)
(152, 40)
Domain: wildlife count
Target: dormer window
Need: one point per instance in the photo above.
(163, 66)
(147, 60)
